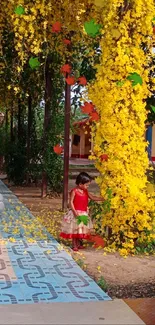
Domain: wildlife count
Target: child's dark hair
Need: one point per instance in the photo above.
(83, 178)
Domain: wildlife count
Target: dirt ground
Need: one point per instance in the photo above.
(126, 278)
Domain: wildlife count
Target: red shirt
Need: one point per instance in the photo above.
(80, 199)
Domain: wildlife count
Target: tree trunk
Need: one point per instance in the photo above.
(29, 127)
(6, 121)
(66, 137)
(11, 123)
(66, 146)
(6, 132)
(19, 120)
(48, 95)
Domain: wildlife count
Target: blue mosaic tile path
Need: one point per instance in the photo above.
(33, 266)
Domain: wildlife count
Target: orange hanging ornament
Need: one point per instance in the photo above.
(87, 108)
(82, 81)
(70, 81)
(58, 149)
(56, 28)
(104, 157)
(66, 41)
(94, 116)
(66, 68)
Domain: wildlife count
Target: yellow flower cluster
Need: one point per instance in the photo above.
(33, 29)
(120, 132)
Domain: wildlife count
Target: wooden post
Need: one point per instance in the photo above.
(66, 146)
(48, 96)
(19, 120)
(29, 129)
(11, 122)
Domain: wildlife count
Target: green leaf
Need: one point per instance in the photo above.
(153, 19)
(138, 249)
(109, 192)
(120, 83)
(84, 219)
(153, 108)
(34, 63)
(135, 78)
(20, 10)
(92, 29)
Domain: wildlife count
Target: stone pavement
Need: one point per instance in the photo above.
(41, 284)
(86, 313)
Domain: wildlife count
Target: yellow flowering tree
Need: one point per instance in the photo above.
(45, 26)
(47, 42)
(41, 28)
(119, 94)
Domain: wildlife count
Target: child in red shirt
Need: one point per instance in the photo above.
(79, 199)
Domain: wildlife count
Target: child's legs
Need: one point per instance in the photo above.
(75, 243)
(80, 242)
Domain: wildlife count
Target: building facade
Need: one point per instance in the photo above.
(82, 144)
(81, 141)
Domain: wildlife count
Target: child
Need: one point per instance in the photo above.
(79, 206)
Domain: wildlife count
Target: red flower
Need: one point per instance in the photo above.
(56, 28)
(58, 149)
(67, 41)
(82, 81)
(87, 108)
(66, 68)
(94, 116)
(70, 81)
(104, 157)
(153, 29)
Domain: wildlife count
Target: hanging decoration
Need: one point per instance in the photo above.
(20, 10)
(153, 108)
(94, 116)
(66, 68)
(83, 219)
(34, 62)
(104, 157)
(58, 149)
(56, 28)
(135, 78)
(82, 81)
(92, 28)
(87, 108)
(70, 80)
(66, 41)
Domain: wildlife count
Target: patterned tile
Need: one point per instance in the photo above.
(33, 266)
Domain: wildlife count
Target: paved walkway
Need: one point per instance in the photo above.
(41, 284)
(80, 161)
(33, 266)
